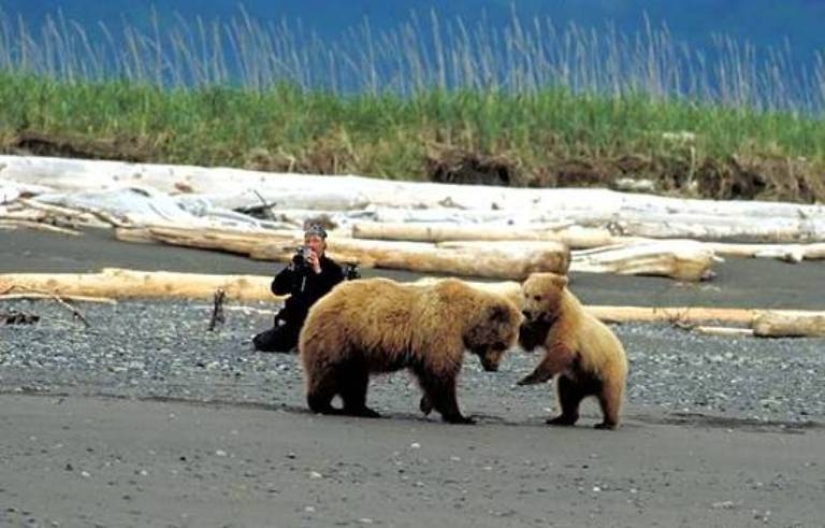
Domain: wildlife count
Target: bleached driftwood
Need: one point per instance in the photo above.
(40, 226)
(681, 259)
(573, 236)
(507, 263)
(756, 322)
(576, 237)
(723, 331)
(626, 214)
(789, 324)
(34, 211)
(124, 284)
(786, 252)
(41, 296)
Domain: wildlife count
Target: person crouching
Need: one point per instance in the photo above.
(308, 277)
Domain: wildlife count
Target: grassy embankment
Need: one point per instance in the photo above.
(562, 111)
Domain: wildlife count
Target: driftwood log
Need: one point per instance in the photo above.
(41, 296)
(573, 236)
(789, 324)
(771, 323)
(626, 214)
(506, 262)
(680, 259)
(514, 260)
(125, 284)
(786, 252)
(119, 283)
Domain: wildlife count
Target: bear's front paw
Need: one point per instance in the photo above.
(426, 406)
(460, 420)
(532, 379)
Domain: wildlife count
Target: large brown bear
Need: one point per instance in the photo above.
(583, 351)
(378, 325)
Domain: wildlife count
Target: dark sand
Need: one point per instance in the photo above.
(94, 461)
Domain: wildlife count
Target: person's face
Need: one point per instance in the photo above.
(315, 243)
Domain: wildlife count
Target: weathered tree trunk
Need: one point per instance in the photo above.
(786, 252)
(723, 331)
(45, 296)
(672, 314)
(694, 315)
(508, 263)
(122, 284)
(680, 259)
(113, 283)
(574, 237)
(789, 324)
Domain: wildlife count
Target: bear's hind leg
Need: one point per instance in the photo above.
(321, 389)
(353, 381)
(439, 393)
(571, 395)
(320, 401)
(610, 400)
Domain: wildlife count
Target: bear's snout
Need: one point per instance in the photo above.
(489, 366)
(490, 360)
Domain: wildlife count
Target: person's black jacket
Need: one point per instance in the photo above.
(304, 287)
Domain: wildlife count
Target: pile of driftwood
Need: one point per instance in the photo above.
(472, 231)
(481, 231)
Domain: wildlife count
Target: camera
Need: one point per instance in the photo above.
(300, 260)
(351, 272)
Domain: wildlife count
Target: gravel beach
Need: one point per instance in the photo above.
(144, 349)
(718, 431)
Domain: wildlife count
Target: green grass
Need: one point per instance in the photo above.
(387, 135)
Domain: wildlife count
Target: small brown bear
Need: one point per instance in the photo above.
(583, 351)
(377, 325)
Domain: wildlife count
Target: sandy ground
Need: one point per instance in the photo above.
(94, 461)
(87, 462)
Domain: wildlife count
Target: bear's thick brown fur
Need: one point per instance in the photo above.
(377, 325)
(583, 351)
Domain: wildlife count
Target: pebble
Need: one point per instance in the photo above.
(160, 349)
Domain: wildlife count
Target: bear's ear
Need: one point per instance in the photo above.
(560, 281)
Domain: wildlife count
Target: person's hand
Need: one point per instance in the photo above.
(314, 262)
